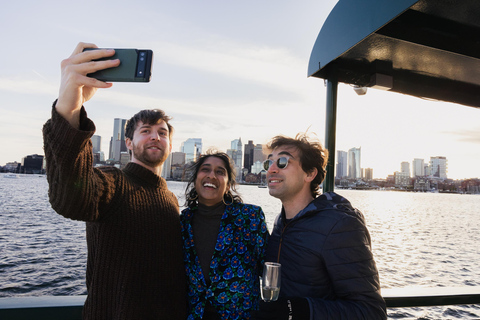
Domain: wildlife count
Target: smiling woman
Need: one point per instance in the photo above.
(212, 181)
(224, 242)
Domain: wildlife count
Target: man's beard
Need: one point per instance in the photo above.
(143, 156)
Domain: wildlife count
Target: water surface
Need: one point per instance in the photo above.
(419, 239)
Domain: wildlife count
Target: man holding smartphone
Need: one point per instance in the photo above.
(135, 262)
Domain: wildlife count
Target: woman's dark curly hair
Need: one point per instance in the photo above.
(191, 195)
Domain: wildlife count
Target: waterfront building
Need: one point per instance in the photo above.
(402, 179)
(418, 168)
(248, 156)
(178, 158)
(368, 174)
(405, 167)
(110, 149)
(258, 154)
(426, 169)
(232, 153)
(257, 167)
(96, 143)
(124, 158)
(117, 144)
(342, 164)
(354, 163)
(234, 143)
(167, 167)
(390, 181)
(421, 184)
(32, 164)
(174, 166)
(192, 148)
(235, 153)
(438, 167)
(96, 149)
(12, 166)
(96, 159)
(237, 145)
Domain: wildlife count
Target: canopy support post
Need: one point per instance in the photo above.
(330, 129)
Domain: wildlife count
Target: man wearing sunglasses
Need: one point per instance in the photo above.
(321, 241)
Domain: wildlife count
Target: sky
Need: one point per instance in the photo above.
(223, 70)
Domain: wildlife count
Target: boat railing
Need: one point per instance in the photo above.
(70, 307)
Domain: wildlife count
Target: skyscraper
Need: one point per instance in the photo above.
(342, 157)
(235, 153)
(354, 163)
(248, 157)
(173, 166)
(118, 140)
(32, 164)
(96, 143)
(192, 148)
(405, 168)
(258, 154)
(438, 167)
(418, 168)
(368, 174)
(237, 156)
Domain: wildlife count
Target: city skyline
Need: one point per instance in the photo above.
(196, 144)
(219, 77)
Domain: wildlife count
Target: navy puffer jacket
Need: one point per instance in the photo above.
(325, 252)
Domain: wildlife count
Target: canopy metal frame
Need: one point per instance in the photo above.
(423, 48)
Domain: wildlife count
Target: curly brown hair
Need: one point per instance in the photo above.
(148, 117)
(312, 155)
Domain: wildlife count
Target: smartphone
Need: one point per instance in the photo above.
(135, 66)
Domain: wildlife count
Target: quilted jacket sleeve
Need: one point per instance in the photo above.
(351, 267)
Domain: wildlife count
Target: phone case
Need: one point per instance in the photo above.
(135, 66)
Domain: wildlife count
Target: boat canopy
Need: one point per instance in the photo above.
(425, 48)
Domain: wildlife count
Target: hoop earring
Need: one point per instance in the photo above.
(231, 197)
(196, 197)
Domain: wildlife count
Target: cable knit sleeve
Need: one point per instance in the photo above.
(76, 189)
(351, 268)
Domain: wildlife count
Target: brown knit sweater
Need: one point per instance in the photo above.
(135, 265)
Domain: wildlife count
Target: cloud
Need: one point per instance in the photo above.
(471, 136)
(274, 67)
(30, 87)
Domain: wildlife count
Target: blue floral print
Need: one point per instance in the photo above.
(236, 263)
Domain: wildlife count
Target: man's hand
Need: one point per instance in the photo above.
(283, 309)
(75, 87)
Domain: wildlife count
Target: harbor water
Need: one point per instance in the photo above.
(419, 240)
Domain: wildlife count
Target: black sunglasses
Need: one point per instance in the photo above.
(282, 163)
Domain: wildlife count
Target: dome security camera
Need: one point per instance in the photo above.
(360, 90)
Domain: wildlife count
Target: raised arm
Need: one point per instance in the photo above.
(75, 87)
(76, 189)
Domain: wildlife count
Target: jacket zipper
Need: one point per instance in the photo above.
(281, 240)
(283, 231)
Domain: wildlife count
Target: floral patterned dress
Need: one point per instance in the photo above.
(235, 266)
